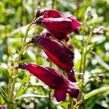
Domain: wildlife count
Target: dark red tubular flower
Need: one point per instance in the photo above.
(57, 53)
(58, 24)
(52, 13)
(53, 79)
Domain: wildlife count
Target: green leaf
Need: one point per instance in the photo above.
(4, 95)
(2, 101)
(89, 48)
(64, 104)
(25, 79)
(31, 95)
(77, 66)
(22, 89)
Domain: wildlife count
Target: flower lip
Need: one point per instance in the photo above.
(52, 13)
(75, 24)
(60, 95)
(73, 92)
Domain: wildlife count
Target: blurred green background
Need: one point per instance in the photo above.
(92, 41)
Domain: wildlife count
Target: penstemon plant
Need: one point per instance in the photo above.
(62, 86)
(51, 40)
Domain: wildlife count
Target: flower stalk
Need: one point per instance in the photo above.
(12, 70)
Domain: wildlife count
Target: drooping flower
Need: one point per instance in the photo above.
(58, 24)
(52, 13)
(59, 54)
(53, 79)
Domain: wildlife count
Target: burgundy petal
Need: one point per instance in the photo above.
(52, 13)
(58, 53)
(72, 90)
(75, 24)
(43, 74)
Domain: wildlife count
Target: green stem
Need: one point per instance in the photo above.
(12, 90)
(82, 67)
(26, 34)
(24, 43)
(85, 54)
(95, 92)
(11, 86)
(82, 51)
(71, 103)
(6, 38)
(9, 106)
(12, 78)
(49, 95)
(78, 7)
(49, 99)
(53, 3)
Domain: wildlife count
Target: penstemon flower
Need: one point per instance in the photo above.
(61, 55)
(53, 79)
(57, 23)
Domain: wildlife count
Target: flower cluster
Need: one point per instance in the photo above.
(57, 27)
